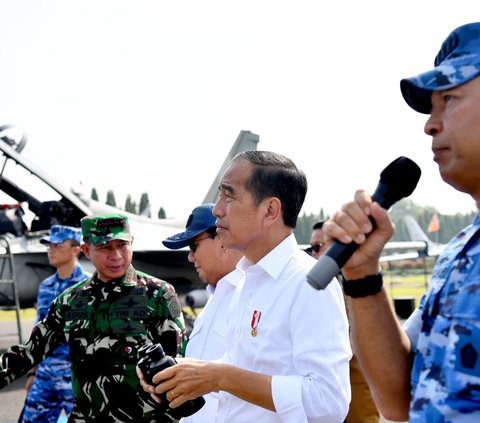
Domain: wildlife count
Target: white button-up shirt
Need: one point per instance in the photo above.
(301, 339)
(207, 340)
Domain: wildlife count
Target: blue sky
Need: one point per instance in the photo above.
(148, 96)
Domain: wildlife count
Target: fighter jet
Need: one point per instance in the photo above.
(24, 260)
(419, 245)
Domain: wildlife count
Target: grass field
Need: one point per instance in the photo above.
(406, 285)
(25, 314)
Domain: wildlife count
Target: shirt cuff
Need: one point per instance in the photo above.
(287, 398)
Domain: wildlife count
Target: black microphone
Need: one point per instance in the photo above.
(397, 180)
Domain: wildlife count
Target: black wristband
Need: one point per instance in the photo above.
(369, 285)
(31, 373)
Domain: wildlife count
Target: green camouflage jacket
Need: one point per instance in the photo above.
(105, 324)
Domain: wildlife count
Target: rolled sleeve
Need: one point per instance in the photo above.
(287, 393)
(287, 397)
(318, 388)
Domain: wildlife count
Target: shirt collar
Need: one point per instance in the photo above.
(129, 279)
(276, 260)
(231, 278)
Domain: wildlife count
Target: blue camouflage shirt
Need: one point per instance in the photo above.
(48, 290)
(445, 335)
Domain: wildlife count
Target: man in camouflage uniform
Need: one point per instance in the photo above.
(49, 387)
(430, 370)
(105, 320)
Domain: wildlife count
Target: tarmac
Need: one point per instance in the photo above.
(12, 396)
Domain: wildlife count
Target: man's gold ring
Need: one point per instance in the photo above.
(173, 394)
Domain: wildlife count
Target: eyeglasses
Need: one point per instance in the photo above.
(316, 247)
(193, 245)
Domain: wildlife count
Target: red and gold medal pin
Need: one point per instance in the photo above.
(255, 319)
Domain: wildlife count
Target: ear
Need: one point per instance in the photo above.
(85, 249)
(274, 210)
(76, 250)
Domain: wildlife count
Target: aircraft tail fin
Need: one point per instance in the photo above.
(246, 141)
(415, 231)
(417, 234)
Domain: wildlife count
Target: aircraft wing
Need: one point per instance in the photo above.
(412, 255)
(419, 245)
(395, 251)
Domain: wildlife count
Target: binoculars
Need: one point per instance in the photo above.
(153, 360)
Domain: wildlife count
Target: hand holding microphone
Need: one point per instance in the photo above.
(397, 180)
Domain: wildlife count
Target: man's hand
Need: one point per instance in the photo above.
(185, 381)
(352, 223)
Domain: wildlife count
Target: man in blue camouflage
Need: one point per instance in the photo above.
(106, 319)
(49, 386)
(429, 370)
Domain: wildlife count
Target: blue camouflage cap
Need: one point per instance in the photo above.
(457, 62)
(200, 220)
(59, 234)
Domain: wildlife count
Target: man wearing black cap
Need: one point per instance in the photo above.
(215, 266)
(429, 370)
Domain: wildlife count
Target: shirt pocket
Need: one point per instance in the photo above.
(461, 362)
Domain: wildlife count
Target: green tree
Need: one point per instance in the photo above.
(161, 213)
(111, 199)
(94, 195)
(450, 225)
(322, 215)
(303, 230)
(130, 206)
(144, 206)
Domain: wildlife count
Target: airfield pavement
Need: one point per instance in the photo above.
(12, 397)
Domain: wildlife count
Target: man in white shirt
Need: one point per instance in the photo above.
(287, 346)
(215, 266)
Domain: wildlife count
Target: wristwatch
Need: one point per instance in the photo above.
(369, 285)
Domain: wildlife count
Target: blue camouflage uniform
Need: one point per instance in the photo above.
(445, 335)
(445, 329)
(51, 391)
